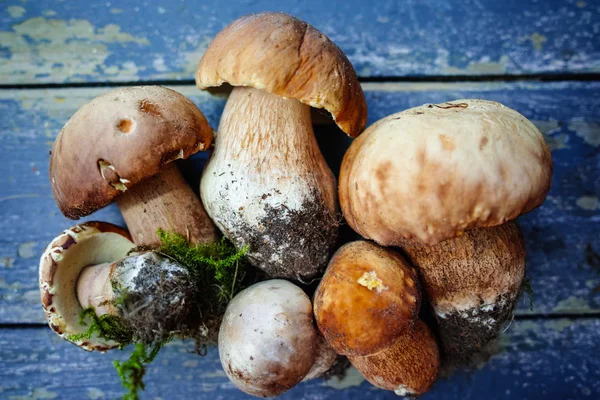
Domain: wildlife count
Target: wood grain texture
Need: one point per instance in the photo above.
(561, 237)
(75, 41)
(553, 359)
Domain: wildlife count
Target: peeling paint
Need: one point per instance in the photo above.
(588, 131)
(549, 128)
(573, 305)
(190, 363)
(95, 394)
(589, 203)
(559, 325)
(481, 68)
(16, 11)
(37, 394)
(7, 262)
(536, 40)
(351, 378)
(26, 249)
(37, 48)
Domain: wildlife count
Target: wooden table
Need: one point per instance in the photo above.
(540, 57)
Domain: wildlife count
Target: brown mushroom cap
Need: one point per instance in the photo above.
(117, 140)
(287, 57)
(408, 367)
(434, 171)
(367, 298)
(61, 263)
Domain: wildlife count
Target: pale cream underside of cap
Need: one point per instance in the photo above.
(60, 265)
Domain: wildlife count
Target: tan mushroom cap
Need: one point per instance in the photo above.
(433, 171)
(61, 263)
(117, 140)
(367, 298)
(287, 57)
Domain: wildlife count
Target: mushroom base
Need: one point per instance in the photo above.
(465, 333)
(293, 244)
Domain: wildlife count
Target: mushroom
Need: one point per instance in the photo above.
(434, 171)
(441, 181)
(87, 244)
(267, 341)
(120, 146)
(325, 358)
(87, 266)
(267, 185)
(472, 282)
(366, 307)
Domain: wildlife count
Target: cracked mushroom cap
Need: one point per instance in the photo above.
(285, 56)
(119, 139)
(433, 171)
(368, 297)
(90, 243)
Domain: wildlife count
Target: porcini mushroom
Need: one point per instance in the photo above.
(434, 171)
(368, 297)
(267, 341)
(120, 146)
(441, 181)
(87, 266)
(472, 282)
(87, 244)
(366, 307)
(267, 185)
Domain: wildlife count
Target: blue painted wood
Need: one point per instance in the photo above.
(549, 359)
(83, 41)
(562, 236)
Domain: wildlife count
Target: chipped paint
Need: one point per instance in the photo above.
(559, 324)
(589, 203)
(16, 11)
(549, 130)
(572, 304)
(588, 131)
(95, 394)
(483, 67)
(537, 40)
(37, 394)
(351, 378)
(26, 250)
(37, 48)
(190, 363)
(7, 262)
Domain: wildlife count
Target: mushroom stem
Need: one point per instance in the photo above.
(95, 290)
(165, 201)
(268, 186)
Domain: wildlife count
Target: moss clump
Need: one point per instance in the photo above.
(106, 326)
(132, 370)
(218, 271)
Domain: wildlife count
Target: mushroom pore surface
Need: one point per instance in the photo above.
(268, 187)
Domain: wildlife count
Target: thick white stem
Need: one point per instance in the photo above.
(94, 289)
(268, 186)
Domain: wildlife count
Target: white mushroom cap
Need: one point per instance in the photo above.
(61, 263)
(267, 340)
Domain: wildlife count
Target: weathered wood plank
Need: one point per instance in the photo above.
(78, 41)
(557, 359)
(562, 236)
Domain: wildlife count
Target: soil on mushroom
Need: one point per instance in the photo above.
(310, 234)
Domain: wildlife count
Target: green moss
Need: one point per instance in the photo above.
(133, 370)
(106, 326)
(218, 269)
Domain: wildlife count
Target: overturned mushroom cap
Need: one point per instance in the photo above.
(117, 140)
(61, 263)
(367, 298)
(282, 55)
(408, 367)
(434, 171)
(325, 358)
(267, 340)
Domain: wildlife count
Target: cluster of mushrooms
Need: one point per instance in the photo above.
(432, 190)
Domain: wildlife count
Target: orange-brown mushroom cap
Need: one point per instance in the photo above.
(285, 56)
(119, 139)
(367, 298)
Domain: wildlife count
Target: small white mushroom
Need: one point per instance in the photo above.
(267, 340)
